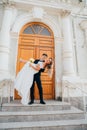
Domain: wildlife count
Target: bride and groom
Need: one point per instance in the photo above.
(29, 74)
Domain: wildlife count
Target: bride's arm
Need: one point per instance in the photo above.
(22, 60)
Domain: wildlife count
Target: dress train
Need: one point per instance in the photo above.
(23, 82)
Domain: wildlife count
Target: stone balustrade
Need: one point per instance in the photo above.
(5, 83)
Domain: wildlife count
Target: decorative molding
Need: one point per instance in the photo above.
(65, 13)
(25, 18)
(8, 2)
(59, 39)
(38, 12)
(68, 73)
(4, 49)
(59, 5)
(14, 34)
(83, 25)
(5, 72)
(67, 54)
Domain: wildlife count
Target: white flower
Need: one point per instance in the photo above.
(31, 60)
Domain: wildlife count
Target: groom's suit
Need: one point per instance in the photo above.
(38, 82)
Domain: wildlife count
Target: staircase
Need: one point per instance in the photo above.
(52, 116)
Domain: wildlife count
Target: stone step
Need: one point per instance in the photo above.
(49, 106)
(46, 125)
(41, 115)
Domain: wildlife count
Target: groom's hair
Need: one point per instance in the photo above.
(44, 54)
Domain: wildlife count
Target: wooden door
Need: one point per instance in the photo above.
(25, 52)
(34, 45)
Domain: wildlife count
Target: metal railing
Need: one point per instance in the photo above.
(69, 85)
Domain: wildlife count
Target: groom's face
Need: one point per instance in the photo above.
(44, 57)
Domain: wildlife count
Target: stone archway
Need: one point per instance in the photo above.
(35, 39)
(50, 22)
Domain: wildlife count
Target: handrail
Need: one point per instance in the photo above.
(72, 84)
(76, 86)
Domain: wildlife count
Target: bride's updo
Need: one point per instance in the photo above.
(49, 66)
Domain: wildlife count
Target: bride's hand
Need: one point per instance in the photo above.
(20, 60)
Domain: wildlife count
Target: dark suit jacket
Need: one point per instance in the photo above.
(41, 70)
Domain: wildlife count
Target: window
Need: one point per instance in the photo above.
(37, 29)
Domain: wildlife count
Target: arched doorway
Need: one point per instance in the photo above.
(36, 38)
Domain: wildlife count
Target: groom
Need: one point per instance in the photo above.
(38, 81)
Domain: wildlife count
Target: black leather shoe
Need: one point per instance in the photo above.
(31, 102)
(42, 102)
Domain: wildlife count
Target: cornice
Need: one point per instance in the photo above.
(54, 5)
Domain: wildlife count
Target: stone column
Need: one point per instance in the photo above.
(58, 67)
(5, 42)
(68, 65)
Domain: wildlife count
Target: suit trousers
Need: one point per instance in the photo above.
(39, 85)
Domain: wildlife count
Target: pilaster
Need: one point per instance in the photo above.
(5, 48)
(68, 65)
(58, 67)
(83, 26)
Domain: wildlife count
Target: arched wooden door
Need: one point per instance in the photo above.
(34, 40)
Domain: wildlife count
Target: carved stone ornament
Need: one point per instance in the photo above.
(38, 13)
(83, 24)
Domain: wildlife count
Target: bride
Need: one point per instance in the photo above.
(24, 79)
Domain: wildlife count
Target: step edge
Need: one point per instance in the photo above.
(43, 124)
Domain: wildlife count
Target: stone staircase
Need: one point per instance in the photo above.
(52, 116)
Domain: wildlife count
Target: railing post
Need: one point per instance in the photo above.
(84, 101)
(9, 87)
(65, 85)
(1, 97)
(63, 91)
(68, 94)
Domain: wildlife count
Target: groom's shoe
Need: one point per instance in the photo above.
(42, 102)
(31, 102)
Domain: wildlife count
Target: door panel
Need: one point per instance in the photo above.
(47, 82)
(25, 52)
(46, 42)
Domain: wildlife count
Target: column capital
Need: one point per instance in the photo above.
(65, 13)
(8, 4)
(83, 25)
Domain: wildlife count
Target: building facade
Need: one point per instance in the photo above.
(29, 28)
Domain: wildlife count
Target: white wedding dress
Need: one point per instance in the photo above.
(24, 80)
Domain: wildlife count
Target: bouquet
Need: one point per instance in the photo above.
(31, 60)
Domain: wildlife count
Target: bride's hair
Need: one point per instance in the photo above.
(49, 67)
